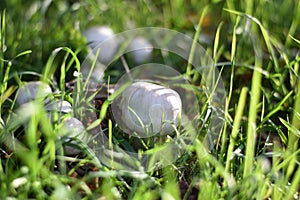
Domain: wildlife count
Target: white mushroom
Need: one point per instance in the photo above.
(96, 75)
(96, 35)
(59, 106)
(141, 50)
(73, 129)
(147, 109)
(35, 90)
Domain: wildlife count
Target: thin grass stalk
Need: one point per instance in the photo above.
(253, 109)
(228, 99)
(63, 74)
(2, 49)
(265, 35)
(249, 7)
(2, 43)
(222, 135)
(91, 69)
(293, 139)
(294, 187)
(294, 25)
(236, 126)
(195, 41)
(216, 42)
(231, 6)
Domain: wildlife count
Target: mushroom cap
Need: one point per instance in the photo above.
(33, 90)
(95, 36)
(73, 128)
(141, 49)
(59, 106)
(148, 109)
(96, 75)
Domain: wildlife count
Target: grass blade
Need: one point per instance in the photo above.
(196, 36)
(236, 125)
(253, 109)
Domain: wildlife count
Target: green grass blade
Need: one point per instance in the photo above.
(293, 133)
(294, 25)
(49, 71)
(92, 69)
(296, 40)
(233, 43)
(264, 32)
(277, 108)
(236, 125)
(253, 109)
(294, 187)
(293, 140)
(228, 99)
(62, 81)
(196, 36)
(217, 40)
(2, 43)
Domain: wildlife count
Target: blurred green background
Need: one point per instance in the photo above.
(42, 26)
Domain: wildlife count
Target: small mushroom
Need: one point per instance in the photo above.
(71, 127)
(141, 50)
(96, 75)
(96, 35)
(35, 90)
(59, 106)
(72, 130)
(147, 109)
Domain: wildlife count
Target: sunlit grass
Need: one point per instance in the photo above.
(256, 51)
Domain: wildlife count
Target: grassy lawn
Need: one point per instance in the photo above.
(247, 107)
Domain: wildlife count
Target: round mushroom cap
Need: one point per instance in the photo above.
(141, 50)
(73, 129)
(148, 108)
(95, 36)
(59, 106)
(35, 90)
